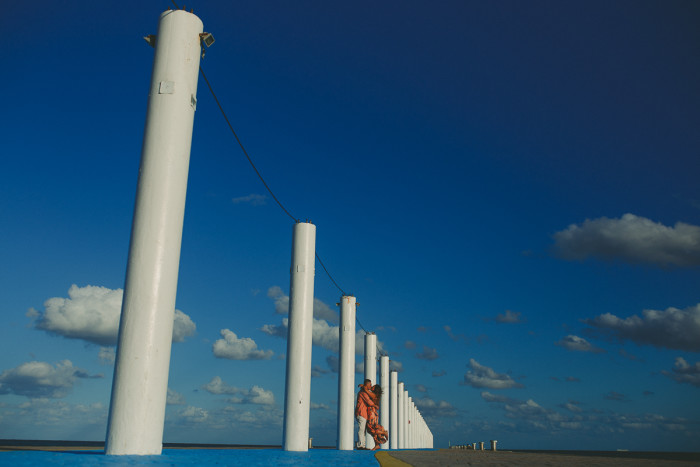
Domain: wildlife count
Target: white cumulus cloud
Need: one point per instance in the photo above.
(92, 313)
(578, 344)
(481, 376)
(40, 379)
(632, 239)
(192, 415)
(428, 353)
(323, 335)
(175, 398)
(435, 409)
(683, 372)
(254, 395)
(672, 329)
(320, 309)
(235, 348)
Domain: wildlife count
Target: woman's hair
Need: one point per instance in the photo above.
(377, 390)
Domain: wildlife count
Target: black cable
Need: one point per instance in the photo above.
(243, 148)
(358, 322)
(258, 172)
(329, 274)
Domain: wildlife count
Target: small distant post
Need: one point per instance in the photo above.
(493, 444)
(297, 392)
(140, 383)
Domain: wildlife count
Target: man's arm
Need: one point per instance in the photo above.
(367, 399)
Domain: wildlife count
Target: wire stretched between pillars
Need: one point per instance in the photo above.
(405, 414)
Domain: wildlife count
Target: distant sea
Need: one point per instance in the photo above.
(101, 444)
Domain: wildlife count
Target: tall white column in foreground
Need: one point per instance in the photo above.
(370, 371)
(401, 419)
(393, 410)
(346, 374)
(384, 401)
(140, 384)
(297, 391)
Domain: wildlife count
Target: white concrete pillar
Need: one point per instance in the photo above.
(401, 419)
(140, 383)
(493, 444)
(384, 402)
(297, 392)
(407, 429)
(370, 370)
(393, 410)
(411, 423)
(412, 431)
(407, 418)
(346, 374)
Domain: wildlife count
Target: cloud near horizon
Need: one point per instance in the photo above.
(42, 380)
(324, 334)
(92, 314)
(632, 239)
(484, 377)
(174, 398)
(431, 409)
(254, 395)
(671, 329)
(234, 348)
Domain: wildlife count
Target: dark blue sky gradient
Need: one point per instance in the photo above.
(442, 149)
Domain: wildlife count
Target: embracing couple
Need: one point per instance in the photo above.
(367, 414)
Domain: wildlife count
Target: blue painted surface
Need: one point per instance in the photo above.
(222, 457)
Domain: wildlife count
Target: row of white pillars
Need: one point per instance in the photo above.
(412, 432)
(139, 388)
(397, 412)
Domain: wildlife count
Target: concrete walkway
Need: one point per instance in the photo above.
(458, 457)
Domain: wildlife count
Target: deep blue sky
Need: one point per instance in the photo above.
(509, 188)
